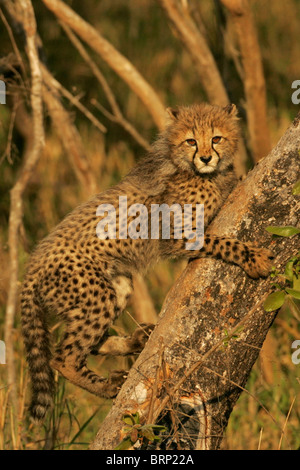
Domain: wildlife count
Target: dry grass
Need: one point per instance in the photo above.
(77, 414)
(55, 191)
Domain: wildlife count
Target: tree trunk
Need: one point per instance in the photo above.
(212, 325)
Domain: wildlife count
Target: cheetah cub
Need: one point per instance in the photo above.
(86, 281)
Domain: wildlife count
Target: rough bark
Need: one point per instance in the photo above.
(212, 325)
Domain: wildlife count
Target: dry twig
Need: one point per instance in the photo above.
(116, 115)
(196, 44)
(112, 57)
(55, 85)
(68, 135)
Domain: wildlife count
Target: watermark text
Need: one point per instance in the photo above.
(296, 94)
(133, 222)
(2, 352)
(296, 353)
(2, 92)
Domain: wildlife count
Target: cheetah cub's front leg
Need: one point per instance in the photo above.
(256, 262)
(125, 345)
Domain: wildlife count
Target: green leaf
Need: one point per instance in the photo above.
(296, 188)
(274, 301)
(148, 433)
(131, 419)
(294, 293)
(136, 418)
(134, 435)
(289, 270)
(128, 420)
(157, 427)
(275, 284)
(287, 231)
(274, 272)
(125, 444)
(296, 283)
(294, 309)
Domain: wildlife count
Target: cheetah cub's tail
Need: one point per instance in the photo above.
(37, 346)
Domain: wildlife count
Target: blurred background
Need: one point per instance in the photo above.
(141, 31)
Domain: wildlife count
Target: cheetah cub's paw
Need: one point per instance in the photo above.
(259, 262)
(140, 337)
(114, 383)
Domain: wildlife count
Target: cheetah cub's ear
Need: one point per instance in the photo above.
(231, 109)
(172, 114)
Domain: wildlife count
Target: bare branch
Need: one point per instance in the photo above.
(117, 115)
(16, 204)
(122, 121)
(198, 48)
(112, 57)
(253, 74)
(211, 80)
(55, 85)
(7, 151)
(13, 42)
(68, 135)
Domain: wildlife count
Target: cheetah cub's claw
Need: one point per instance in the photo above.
(259, 262)
(114, 383)
(140, 337)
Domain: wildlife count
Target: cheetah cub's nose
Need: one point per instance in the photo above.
(205, 159)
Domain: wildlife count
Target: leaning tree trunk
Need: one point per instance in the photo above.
(212, 325)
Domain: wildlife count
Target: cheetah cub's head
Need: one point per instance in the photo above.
(203, 138)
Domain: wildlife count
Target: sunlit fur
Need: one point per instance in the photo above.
(202, 123)
(85, 282)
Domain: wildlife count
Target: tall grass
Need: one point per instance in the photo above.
(144, 37)
(77, 415)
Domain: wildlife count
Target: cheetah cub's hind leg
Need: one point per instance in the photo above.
(71, 361)
(86, 328)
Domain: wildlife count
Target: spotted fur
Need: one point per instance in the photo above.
(86, 282)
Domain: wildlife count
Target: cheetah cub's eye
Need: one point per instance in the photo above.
(217, 139)
(191, 142)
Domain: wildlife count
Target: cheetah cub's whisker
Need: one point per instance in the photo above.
(86, 282)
